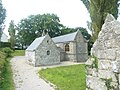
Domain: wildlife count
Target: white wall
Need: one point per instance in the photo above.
(30, 55)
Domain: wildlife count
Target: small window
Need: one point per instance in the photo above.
(67, 47)
(47, 41)
(48, 52)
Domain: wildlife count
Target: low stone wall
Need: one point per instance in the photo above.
(103, 68)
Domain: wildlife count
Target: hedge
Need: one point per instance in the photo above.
(2, 63)
(5, 44)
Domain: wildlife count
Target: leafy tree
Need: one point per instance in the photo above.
(2, 17)
(67, 30)
(98, 10)
(33, 26)
(11, 31)
(84, 32)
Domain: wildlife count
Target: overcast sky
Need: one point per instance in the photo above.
(72, 13)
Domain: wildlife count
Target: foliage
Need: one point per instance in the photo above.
(66, 77)
(7, 51)
(117, 78)
(11, 31)
(4, 44)
(98, 10)
(7, 81)
(33, 26)
(94, 63)
(2, 63)
(2, 17)
(108, 83)
(84, 32)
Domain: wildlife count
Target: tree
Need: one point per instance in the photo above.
(11, 31)
(2, 17)
(98, 10)
(33, 26)
(67, 30)
(83, 31)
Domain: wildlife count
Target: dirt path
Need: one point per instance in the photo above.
(26, 77)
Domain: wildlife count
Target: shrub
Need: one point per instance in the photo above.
(4, 44)
(2, 63)
(7, 51)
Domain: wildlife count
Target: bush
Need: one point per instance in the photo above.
(7, 51)
(2, 63)
(4, 44)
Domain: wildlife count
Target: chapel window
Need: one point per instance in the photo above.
(48, 52)
(67, 48)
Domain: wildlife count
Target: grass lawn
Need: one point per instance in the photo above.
(18, 53)
(67, 77)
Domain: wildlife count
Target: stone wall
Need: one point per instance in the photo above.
(68, 55)
(78, 49)
(41, 56)
(103, 68)
(81, 48)
(30, 56)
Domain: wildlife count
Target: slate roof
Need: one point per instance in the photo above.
(35, 43)
(59, 39)
(65, 38)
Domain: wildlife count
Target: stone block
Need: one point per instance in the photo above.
(101, 54)
(110, 54)
(89, 71)
(95, 84)
(89, 61)
(94, 72)
(117, 55)
(105, 74)
(117, 29)
(114, 79)
(111, 43)
(116, 66)
(104, 64)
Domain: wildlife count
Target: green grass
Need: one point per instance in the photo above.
(67, 77)
(7, 82)
(18, 53)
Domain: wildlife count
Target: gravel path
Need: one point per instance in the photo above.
(26, 77)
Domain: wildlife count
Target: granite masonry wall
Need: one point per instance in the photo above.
(103, 67)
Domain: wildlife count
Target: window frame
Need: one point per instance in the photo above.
(67, 47)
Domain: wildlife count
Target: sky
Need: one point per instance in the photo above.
(72, 13)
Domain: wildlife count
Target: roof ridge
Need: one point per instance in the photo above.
(36, 43)
(65, 34)
(65, 38)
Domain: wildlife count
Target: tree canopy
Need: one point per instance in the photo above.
(2, 17)
(98, 10)
(11, 31)
(33, 26)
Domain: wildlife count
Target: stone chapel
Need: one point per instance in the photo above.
(48, 51)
